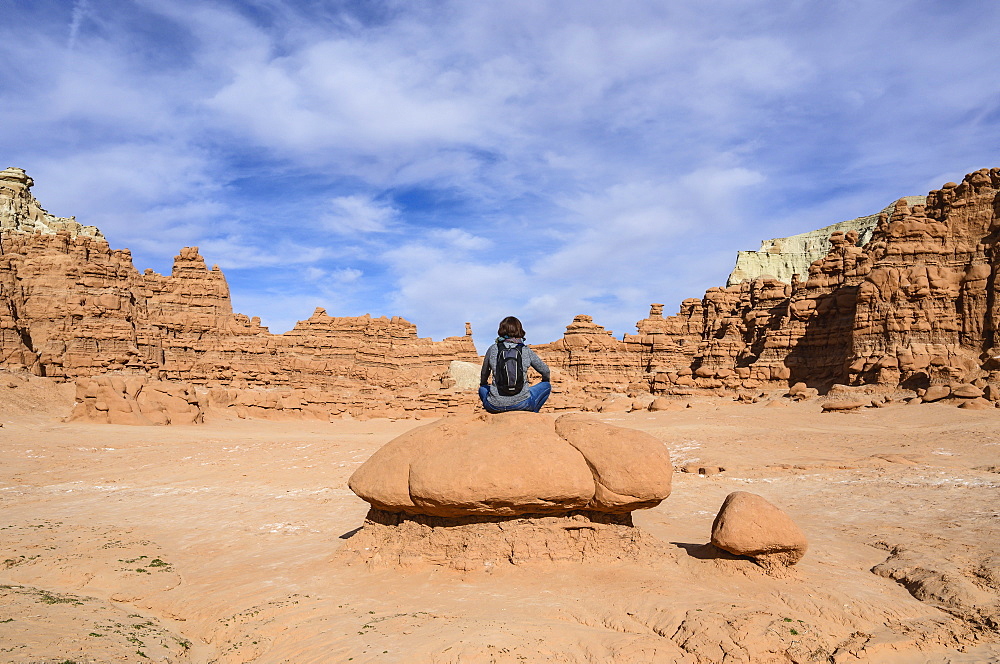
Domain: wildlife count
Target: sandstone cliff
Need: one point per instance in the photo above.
(73, 308)
(914, 307)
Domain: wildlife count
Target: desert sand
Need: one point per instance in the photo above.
(223, 542)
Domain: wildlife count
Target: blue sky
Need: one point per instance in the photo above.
(454, 161)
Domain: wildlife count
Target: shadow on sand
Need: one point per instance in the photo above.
(708, 552)
(350, 533)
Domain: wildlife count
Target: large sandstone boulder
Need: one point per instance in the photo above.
(515, 463)
(748, 525)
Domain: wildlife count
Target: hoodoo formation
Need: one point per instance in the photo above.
(912, 308)
(475, 491)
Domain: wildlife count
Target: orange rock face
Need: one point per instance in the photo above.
(78, 308)
(589, 352)
(71, 308)
(912, 308)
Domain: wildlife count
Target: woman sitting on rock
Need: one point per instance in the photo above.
(508, 361)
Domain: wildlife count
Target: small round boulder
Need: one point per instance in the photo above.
(748, 525)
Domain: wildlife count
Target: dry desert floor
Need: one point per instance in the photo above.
(219, 543)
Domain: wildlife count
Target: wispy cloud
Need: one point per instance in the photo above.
(236, 252)
(79, 12)
(356, 214)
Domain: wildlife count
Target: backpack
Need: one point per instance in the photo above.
(510, 373)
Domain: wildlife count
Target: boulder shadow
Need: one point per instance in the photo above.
(708, 552)
(351, 533)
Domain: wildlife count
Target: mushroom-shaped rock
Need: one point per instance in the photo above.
(967, 391)
(748, 525)
(515, 463)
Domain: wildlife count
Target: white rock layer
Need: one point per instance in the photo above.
(784, 256)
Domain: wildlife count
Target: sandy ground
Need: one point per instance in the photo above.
(218, 543)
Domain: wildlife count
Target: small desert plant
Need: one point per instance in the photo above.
(51, 598)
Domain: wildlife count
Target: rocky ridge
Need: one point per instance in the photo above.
(74, 308)
(912, 309)
(908, 314)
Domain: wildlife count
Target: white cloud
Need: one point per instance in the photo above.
(444, 293)
(340, 93)
(621, 232)
(458, 239)
(278, 311)
(750, 65)
(341, 276)
(234, 252)
(150, 197)
(356, 214)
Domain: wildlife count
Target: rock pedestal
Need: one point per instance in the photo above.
(516, 486)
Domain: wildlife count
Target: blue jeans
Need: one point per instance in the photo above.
(538, 395)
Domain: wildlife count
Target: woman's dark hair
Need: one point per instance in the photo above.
(510, 327)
